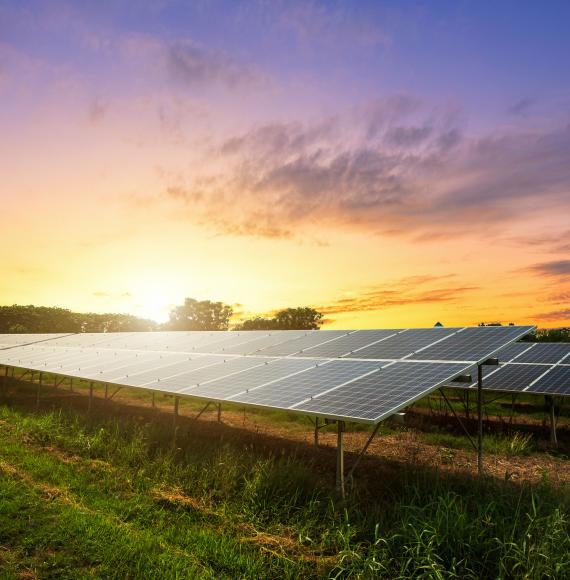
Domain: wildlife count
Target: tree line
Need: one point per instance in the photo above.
(191, 315)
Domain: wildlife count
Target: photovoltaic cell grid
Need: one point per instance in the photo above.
(348, 344)
(511, 377)
(282, 375)
(538, 368)
(403, 344)
(382, 393)
(254, 378)
(290, 391)
(545, 353)
(555, 382)
(472, 344)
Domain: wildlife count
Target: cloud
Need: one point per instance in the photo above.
(318, 23)
(96, 111)
(556, 269)
(407, 291)
(101, 294)
(392, 166)
(193, 65)
(551, 242)
(522, 106)
(554, 316)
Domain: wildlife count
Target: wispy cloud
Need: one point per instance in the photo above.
(194, 65)
(330, 23)
(554, 316)
(392, 165)
(551, 242)
(521, 106)
(556, 269)
(407, 291)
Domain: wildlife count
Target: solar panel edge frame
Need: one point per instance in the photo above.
(39, 341)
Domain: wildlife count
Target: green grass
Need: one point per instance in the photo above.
(518, 444)
(113, 498)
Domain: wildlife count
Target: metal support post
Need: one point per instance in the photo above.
(200, 413)
(316, 431)
(115, 392)
(175, 416)
(153, 402)
(458, 419)
(361, 454)
(340, 459)
(71, 385)
(549, 399)
(5, 382)
(90, 403)
(106, 390)
(219, 412)
(480, 419)
(38, 391)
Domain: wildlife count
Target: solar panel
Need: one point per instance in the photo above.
(223, 368)
(472, 344)
(382, 393)
(227, 387)
(546, 353)
(294, 370)
(515, 350)
(8, 341)
(512, 377)
(298, 345)
(403, 344)
(156, 373)
(555, 382)
(287, 392)
(348, 343)
(252, 343)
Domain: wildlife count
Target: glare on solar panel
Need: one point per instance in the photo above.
(224, 368)
(404, 343)
(158, 372)
(348, 343)
(251, 379)
(298, 345)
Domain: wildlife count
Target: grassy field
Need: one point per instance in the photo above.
(112, 495)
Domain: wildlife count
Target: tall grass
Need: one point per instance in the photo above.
(415, 523)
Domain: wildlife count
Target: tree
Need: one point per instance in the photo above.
(200, 315)
(36, 319)
(257, 323)
(552, 335)
(301, 318)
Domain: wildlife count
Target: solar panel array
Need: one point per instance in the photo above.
(362, 375)
(538, 368)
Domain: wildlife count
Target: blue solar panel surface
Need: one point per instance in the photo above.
(358, 375)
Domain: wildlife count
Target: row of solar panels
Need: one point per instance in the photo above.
(427, 344)
(293, 378)
(538, 368)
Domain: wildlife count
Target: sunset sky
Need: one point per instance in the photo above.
(390, 163)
